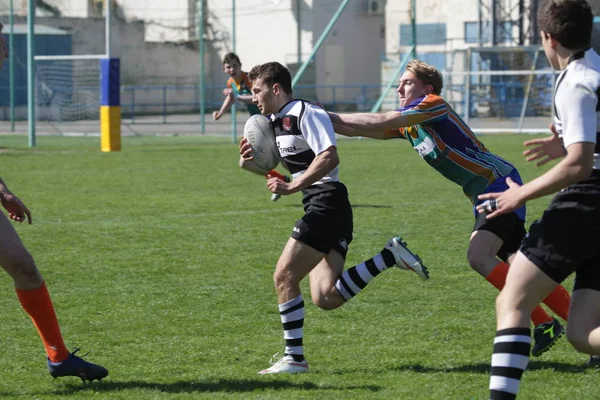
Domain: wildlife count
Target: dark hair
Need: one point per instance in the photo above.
(231, 57)
(570, 22)
(272, 73)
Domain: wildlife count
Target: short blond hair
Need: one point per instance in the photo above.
(428, 74)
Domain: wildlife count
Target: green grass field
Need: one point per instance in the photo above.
(159, 259)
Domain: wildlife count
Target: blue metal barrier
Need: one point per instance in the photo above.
(504, 98)
(167, 100)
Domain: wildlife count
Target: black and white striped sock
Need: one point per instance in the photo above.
(355, 279)
(509, 361)
(292, 318)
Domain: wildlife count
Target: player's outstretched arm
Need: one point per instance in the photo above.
(345, 130)
(17, 211)
(245, 98)
(576, 166)
(370, 122)
(227, 103)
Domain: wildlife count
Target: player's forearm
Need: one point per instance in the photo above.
(351, 132)
(323, 164)
(245, 98)
(370, 122)
(3, 189)
(226, 104)
(567, 172)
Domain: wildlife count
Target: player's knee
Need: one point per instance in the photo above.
(21, 267)
(284, 278)
(504, 303)
(477, 260)
(578, 338)
(324, 302)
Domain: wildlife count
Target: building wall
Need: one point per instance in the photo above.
(352, 52)
(166, 21)
(265, 30)
(269, 32)
(142, 63)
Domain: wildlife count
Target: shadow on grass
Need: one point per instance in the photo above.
(370, 206)
(221, 385)
(484, 368)
(299, 205)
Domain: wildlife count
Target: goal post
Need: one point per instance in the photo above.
(74, 94)
(110, 104)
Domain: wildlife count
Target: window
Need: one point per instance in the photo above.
(503, 32)
(426, 34)
(437, 59)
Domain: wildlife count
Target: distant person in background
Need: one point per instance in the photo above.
(239, 89)
(446, 143)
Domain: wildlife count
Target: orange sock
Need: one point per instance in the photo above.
(498, 277)
(38, 305)
(276, 174)
(559, 301)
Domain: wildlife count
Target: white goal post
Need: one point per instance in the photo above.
(64, 90)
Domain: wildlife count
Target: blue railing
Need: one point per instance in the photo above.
(165, 100)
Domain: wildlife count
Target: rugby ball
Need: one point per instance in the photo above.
(261, 136)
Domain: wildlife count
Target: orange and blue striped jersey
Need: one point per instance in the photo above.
(244, 86)
(446, 143)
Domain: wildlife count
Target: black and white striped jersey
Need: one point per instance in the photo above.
(303, 131)
(576, 101)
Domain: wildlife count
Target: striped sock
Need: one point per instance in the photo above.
(355, 279)
(292, 318)
(509, 361)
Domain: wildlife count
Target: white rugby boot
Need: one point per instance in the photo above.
(286, 365)
(405, 259)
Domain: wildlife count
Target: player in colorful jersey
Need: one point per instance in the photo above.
(446, 143)
(239, 88)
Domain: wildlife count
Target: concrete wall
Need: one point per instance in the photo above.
(265, 31)
(352, 52)
(166, 21)
(268, 32)
(142, 63)
(453, 13)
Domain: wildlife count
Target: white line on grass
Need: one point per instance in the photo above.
(129, 221)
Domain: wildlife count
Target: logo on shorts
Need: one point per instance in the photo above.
(344, 244)
(296, 229)
(286, 123)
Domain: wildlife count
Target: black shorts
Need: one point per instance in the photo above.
(327, 223)
(567, 237)
(508, 227)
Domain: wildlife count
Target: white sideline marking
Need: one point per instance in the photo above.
(129, 221)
